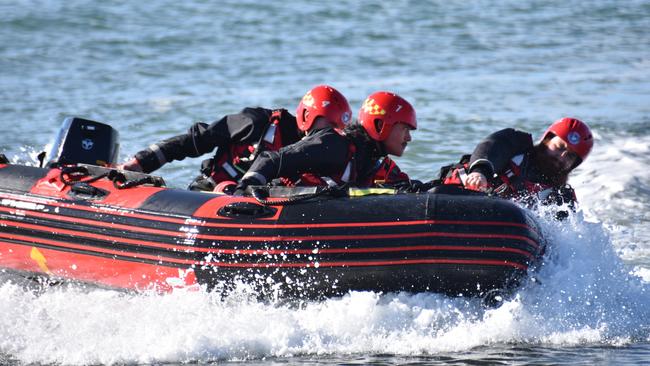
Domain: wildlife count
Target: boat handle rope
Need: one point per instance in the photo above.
(331, 191)
(120, 182)
(78, 172)
(119, 179)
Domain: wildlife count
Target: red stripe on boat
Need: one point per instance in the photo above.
(276, 238)
(310, 264)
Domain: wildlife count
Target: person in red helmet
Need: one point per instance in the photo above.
(240, 138)
(508, 163)
(321, 107)
(357, 155)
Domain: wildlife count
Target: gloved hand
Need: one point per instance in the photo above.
(239, 192)
(419, 186)
(131, 165)
(244, 183)
(407, 186)
(240, 189)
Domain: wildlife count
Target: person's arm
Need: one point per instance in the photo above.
(202, 138)
(324, 152)
(493, 154)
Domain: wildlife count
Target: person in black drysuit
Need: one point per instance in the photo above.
(240, 138)
(356, 156)
(510, 165)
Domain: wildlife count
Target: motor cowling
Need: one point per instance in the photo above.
(82, 141)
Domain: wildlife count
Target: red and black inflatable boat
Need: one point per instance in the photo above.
(127, 230)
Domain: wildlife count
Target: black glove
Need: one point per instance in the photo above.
(202, 183)
(418, 186)
(240, 190)
(413, 186)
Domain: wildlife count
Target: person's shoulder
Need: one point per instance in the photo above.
(510, 130)
(327, 134)
(356, 133)
(261, 114)
(327, 139)
(256, 112)
(257, 116)
(512, 133)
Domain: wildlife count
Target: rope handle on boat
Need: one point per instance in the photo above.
(332, 191)
(121, 182)
(119, 179)
(78, 172)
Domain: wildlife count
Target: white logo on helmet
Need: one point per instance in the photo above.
(573, 137)
(325, 103)
(87, 144)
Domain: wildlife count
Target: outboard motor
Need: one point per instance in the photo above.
(82, 141)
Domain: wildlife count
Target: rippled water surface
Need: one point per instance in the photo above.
(151, 69)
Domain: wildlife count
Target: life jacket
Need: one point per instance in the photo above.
(455, 174)
(512, 183)
(385, 171)
(232, 163)
(515, 184)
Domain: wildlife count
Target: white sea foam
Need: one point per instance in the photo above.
(613, 187)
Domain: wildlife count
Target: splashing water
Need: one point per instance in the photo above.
(613, 186)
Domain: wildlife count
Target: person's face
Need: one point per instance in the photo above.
(558, 155)
(397, 140)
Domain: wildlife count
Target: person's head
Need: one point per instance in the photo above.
(323, 103)
(388, 119)
(564, 146)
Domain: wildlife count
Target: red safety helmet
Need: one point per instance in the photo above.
(575, 133)
(382, 110)
(323, 101)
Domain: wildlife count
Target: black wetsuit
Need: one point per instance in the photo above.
(509, 156)
(240, 130)
(323, 153)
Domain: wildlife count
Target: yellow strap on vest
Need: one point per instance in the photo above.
(359, 192)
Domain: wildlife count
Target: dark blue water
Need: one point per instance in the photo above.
(469, 68)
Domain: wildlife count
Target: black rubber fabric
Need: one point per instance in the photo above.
(20, 178)
(176, 201)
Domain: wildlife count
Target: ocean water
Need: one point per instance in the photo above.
(151, 69)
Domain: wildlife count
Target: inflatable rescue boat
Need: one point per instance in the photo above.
(76, 221)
